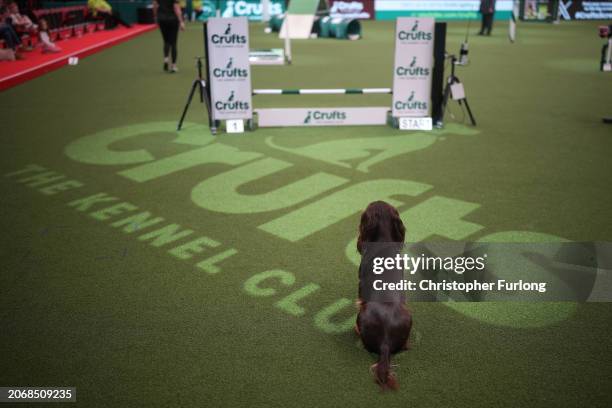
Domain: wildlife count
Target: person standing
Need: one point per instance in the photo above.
(487, 9)
(169, 17)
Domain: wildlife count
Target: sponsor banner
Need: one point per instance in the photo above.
(413, 66)
(539, 10)
(439, 9)
(322, 116)
(359, 9)
(585, 10)
(209, 9)
(229, 68)
(252, 9)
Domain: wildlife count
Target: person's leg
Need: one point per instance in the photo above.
(173, 39)
(489, 23)
(165, 32)
(13, 34)
(483, 23)
(11, 38)
(5, 34)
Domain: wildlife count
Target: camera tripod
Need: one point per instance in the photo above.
(200, 84)
(453, 80)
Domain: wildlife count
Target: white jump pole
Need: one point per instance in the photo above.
(287, 41)
(340, 91)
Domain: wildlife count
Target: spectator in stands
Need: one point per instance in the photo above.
(47, 45)
(169, 17)
(8, 34)
(100, 8)
(487, 9)
(21, 22)
(197, 8)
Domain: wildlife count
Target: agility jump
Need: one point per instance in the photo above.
(417, 92)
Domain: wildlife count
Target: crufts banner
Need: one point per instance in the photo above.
(252, 9)
(230, 74)
(585, 10)
(414, 39)
(439, 9)
(359, 9)
(322, 116)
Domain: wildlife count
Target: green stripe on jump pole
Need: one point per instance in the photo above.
(340, 91)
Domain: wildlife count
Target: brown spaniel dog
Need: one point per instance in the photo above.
(383, 326)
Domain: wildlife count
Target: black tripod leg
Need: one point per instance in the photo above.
(196, 83)
(444, 102)
(469, 111)
(204, 95)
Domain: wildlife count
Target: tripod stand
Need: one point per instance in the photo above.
(454, 80)
(200, 84)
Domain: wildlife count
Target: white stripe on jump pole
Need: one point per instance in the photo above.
(342, 91)
(377, 90)
(322, 91)
(267, 91)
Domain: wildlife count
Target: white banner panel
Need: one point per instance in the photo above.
(298, 26)
(322, 116)
(230, 71)
(414, 38)
(437, 5)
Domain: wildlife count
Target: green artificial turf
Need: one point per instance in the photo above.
(129, 323)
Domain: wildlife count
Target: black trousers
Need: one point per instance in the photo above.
(487, 23)
(10, 37)
(169, 30)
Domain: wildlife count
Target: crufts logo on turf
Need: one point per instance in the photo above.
(230, 71)
(411, 104)
(413, 70)
(415, 34)
(320, 115)
(231, 104)
(228, 38)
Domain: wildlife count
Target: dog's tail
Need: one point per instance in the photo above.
(384, 376)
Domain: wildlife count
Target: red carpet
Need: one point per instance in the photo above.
(36, 63)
